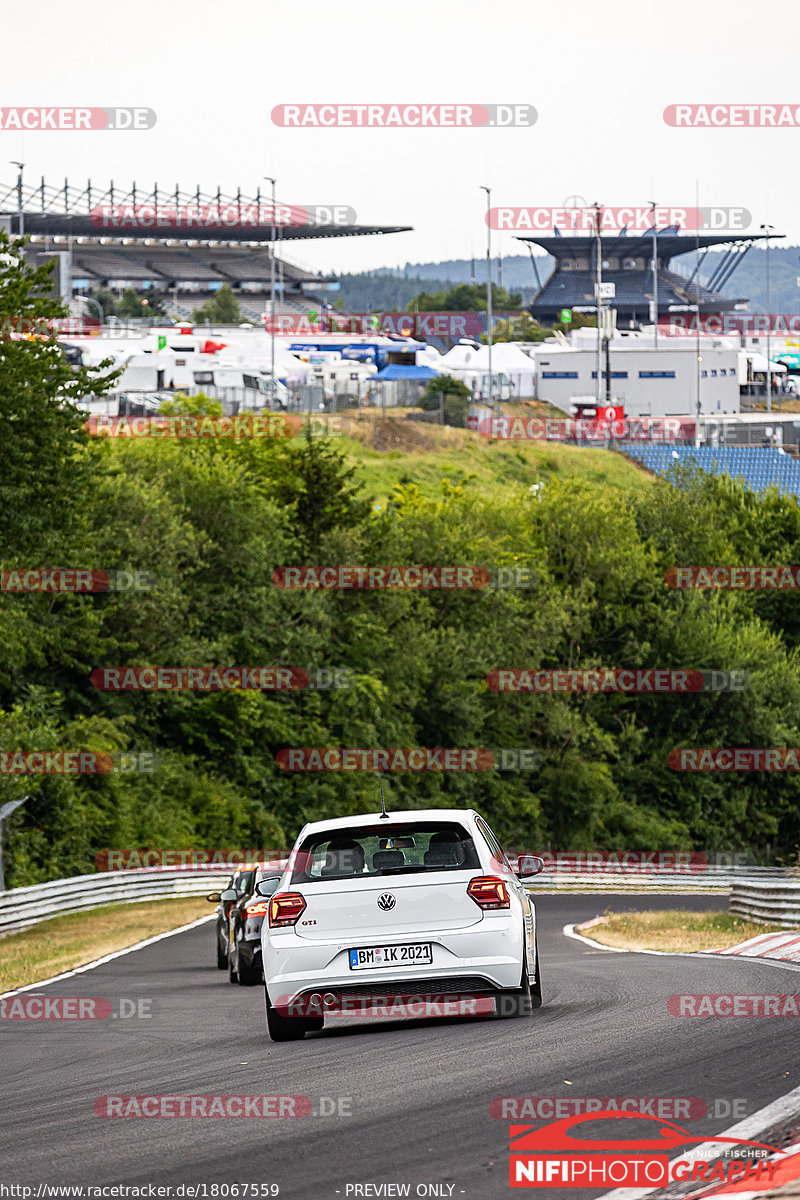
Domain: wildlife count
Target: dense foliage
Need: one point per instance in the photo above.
(210, 520)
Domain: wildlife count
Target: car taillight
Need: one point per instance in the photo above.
(285, 908)
(257, 910)
(489, 891)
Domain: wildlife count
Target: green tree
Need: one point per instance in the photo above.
(465, 297)
(221, 309)
(46, 475)
(456, 399)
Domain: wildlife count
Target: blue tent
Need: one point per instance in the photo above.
(416, 374)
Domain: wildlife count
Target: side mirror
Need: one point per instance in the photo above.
(229, 894)
(266, 887)
(213, 897)
(528, 865)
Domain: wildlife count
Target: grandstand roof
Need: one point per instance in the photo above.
(139, 213)
(669, 244)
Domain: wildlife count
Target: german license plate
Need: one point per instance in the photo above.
(418, 955)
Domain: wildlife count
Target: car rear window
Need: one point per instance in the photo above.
(376, 850)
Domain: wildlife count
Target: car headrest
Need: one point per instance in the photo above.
(385, 859)
(443, 854)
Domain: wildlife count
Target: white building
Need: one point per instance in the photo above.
(649, 381)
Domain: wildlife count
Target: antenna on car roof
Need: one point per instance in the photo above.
(384, 814)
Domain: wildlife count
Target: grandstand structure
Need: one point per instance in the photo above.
(759, 467)
(109, 237)
(626, 262)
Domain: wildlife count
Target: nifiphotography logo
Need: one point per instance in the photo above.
(552, 1156)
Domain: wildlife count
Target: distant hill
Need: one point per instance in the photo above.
(396, 288)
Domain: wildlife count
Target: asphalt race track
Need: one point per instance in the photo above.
(419, 1090)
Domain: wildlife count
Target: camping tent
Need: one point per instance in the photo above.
(413, 374)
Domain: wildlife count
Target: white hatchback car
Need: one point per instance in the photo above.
(422, 902)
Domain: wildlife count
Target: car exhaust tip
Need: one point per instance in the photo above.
(329, 1000)
(315, 1000)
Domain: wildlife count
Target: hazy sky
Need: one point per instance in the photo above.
(599, 76)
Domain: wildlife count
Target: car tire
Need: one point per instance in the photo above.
(289, 1029)
(248, 974)
(537, 997)
(518, 1001)
(222, 958)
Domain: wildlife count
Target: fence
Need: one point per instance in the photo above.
(775, 902)
(710, 878)
(23, 907)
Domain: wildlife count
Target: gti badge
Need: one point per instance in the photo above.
(386, 901)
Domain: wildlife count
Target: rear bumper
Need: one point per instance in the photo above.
(482, 958)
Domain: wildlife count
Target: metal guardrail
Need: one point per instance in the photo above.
(766, 894)
(711, 878)
(768, 903)
(22, 907)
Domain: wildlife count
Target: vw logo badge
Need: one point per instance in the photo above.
(386, 901)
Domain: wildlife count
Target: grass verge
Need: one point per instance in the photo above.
(62, 943)
(392, 451)
(676, 930)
